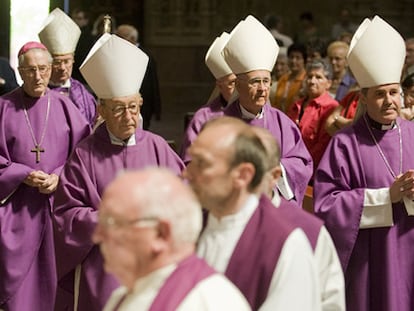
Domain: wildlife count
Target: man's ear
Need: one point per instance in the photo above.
(362, 98)
(275, 172)
(101, 110)
(243, 175)
(163, 236)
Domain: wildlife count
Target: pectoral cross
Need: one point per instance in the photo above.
(38, 150)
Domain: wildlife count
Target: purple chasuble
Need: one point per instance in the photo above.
(178, 285)
(378, 262)
(92, 166)
(256, 254)
(294, 155)
(211, 110)
(27, 257)
(309, 223)
(81, 97)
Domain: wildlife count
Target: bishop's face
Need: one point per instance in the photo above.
(35, 72)
(226, 86)
(121, 115)
(383, 102)
(253, 88)
(62, 67)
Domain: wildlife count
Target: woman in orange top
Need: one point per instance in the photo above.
(290, 84)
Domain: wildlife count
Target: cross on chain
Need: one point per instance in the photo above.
(38, 150)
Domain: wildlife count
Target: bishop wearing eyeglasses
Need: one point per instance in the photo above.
(114, 69)
(39, 129)
(60, 34)
(231, 55)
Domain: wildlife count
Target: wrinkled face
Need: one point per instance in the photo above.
(226, 85)
(62, 67)
(281, 66)
(253, 88)
(121, 115)
(317, 83)
(296, 62)
(409, 97)
(35, 72)
(337, 57)
(124, 236)
(383, 102)
(208, 172)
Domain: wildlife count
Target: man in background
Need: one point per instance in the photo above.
(150, 87)
(60, 34)
(8, 80)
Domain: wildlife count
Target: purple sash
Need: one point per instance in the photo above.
(255, 257)
(309, 223)
(185, 277)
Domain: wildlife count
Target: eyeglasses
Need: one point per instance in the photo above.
(111, 222)
(57, 63)
(256, 82)
(118, 111)
(31, 71)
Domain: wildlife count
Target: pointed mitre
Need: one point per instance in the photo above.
(60, 34)
(376, 54)
(114, 67)
(250, 47)
(214, 59)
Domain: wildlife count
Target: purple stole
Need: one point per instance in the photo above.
(185, 277)
(255, 257)
(309, 223)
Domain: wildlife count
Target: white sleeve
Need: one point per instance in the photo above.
(215, 293)
(283, 185)
(377, 210)
(294, 285)
(331, 276)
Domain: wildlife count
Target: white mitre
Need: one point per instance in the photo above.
(59, 33)
(114, 67)
(214, 59)
(250, 47)
(376, 54)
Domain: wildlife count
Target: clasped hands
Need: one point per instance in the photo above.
(46, 183)
(403, 186)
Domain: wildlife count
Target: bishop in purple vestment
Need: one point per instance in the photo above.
(364, 186)
(220, 97)
(39, 130)
(251, 53)
(79, 95)
(60, 34)
(117, 145)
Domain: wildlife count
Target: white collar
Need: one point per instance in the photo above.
(241, 217)
(116, 141)
(67, 84)
(250, 116)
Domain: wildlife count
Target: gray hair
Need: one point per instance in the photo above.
(164, 196)
(22, 57)
(321, 64)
